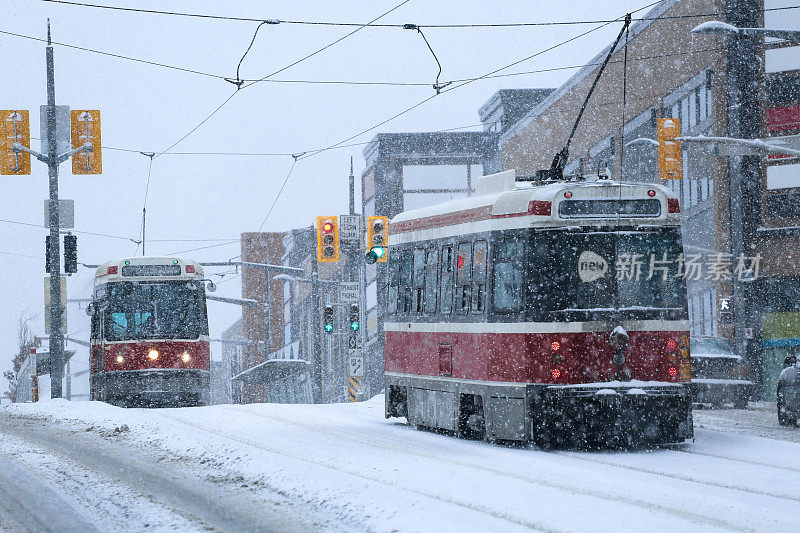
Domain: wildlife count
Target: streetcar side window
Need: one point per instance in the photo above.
(507, 279)
(394, 281)
(406, 272)
(479, 277)
(418, 281)
(430, 280)
(446, 290)
(463, 277)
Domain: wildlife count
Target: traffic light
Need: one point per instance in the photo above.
(70, 254)
(328, 319)
(670, 158)
(377, 239)
(354, 324)
(47, 254)
(327, 239)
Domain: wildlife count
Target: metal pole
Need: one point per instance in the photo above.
(744, 121)
(56, 335)
(316, 349)
(267, 332)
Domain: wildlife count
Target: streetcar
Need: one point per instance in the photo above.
(552, 312)
(149, 333)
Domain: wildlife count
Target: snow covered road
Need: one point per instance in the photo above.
(344, 467)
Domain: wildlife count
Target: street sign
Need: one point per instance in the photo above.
(47, 292)
(353, 343)
(43, 361)
(48, 328)
(85, 128)
(62, 129)
(66, 214)
(355, 365)
(350, 231)
(14, 128)
(670, 161)
(349, 292)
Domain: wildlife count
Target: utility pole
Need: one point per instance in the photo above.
(56, 336)
(743, 76)
(316, 337)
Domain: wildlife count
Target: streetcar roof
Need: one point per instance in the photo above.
(150, 268)
(526, 204)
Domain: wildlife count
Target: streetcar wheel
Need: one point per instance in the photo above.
(471, 418)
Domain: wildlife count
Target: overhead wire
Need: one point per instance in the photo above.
(290, 65)
(19, 223)
(384, 25)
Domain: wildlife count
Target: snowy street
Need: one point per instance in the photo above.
(344, 467)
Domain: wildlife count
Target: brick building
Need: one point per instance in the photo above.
(672, 72)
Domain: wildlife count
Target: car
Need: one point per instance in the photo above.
(718, 374)
(789, 392)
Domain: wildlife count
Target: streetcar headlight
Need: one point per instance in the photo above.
(186, 357)
(120, 359)
(152, 354)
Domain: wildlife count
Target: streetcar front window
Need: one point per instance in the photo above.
(155, 310)
(636, 273)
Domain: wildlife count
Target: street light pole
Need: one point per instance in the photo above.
(743, 76)
(56, 335)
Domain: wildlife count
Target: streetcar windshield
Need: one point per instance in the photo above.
(638, 273)
(155, 310)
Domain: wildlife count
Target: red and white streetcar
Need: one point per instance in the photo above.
(554, 312)
(149, 340)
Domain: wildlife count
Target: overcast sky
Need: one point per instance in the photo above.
(197, 197)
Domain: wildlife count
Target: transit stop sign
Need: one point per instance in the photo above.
(14, 128)
(85, 128)
(670, 161)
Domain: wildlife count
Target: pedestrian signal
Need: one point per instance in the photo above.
(327, 239)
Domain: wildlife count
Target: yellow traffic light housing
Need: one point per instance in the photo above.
(377, 239)
(327, 239)
(670, 160)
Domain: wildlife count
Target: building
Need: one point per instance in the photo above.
(407, 171)
(260, 248)
(674, 73)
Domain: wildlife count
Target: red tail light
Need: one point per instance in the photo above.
(673, 206)
(539, 207)
(112, 270)
(672, 344)
(555, 345)
(672, 371)
(556, 373)
(190, 269)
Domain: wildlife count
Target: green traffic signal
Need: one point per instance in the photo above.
(375, 253)
(354, 326)
(328, 327)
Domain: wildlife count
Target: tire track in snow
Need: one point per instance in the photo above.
(414, 490)
(689, 516)
(686, 477)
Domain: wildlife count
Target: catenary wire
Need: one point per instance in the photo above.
(245, 86)
(395, 26)
(340, 82)
(19, 223)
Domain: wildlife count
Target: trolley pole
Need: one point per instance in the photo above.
(56, 335)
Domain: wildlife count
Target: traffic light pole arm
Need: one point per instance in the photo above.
(17, 147)
(758, 144)
(262, 266)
